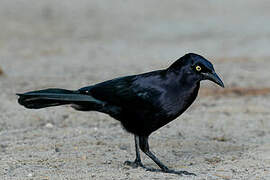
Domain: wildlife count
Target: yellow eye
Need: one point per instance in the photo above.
(198, 68)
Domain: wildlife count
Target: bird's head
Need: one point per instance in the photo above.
(197, 68)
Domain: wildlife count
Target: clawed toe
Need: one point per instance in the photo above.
(179, 172)
(188, 173)
(171, 171)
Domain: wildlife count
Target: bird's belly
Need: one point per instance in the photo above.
(142, 121)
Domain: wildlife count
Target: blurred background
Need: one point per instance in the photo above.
(74, 43)
(56, 37)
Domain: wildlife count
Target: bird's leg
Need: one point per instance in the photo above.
(137, 162)
(143, 142)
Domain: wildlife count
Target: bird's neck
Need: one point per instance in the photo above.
(183, 78)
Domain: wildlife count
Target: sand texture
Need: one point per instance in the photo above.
(71, 44)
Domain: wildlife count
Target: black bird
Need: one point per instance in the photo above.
(142, 103)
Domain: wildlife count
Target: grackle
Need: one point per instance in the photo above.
(142, 103)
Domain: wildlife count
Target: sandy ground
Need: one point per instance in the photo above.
(70, 44)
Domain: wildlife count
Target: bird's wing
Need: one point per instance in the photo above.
(124, 92)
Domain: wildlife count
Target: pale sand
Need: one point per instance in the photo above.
(70, 44)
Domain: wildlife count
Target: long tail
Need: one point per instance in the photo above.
(55, 97)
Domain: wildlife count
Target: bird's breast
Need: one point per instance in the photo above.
(176, 102)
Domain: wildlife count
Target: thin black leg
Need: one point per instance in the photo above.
(137, 162)
(143, 142)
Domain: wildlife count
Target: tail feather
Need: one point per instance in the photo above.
(54, 97)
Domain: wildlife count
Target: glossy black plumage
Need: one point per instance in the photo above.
(142, 103)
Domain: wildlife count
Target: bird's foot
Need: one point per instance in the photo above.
(170, 171)
(179, 172)
(134, 164)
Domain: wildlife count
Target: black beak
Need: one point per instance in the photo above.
(213, 77)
